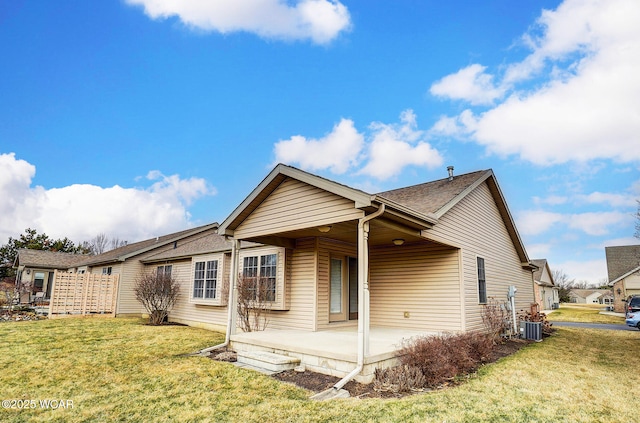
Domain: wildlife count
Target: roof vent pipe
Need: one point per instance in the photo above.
(450, 170)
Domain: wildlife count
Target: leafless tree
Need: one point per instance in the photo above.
(564, 284)
(158, 293)
(12, 291)
(102, 243)
(637, 216)
(99, 243)
(496, 320)
(117, 243)
(253, 303)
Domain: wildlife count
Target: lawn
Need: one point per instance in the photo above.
(123, 370)
(587, 313)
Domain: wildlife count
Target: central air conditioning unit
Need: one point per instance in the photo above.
(531, 330)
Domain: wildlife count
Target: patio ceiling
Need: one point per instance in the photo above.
(382, 233)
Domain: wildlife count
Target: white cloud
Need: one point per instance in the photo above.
(536, 251)
(80, 212)
(597, 223)
(591, 271)
(552, 200)
(395, 146)
(389, 148)
(471, 84)
(614, 200)
(535, 222)
(318, 20)
(337, 151)
(587, 53)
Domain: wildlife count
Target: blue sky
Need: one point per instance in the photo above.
(142, 117)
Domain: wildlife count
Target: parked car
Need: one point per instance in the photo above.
(633, 319)
(633, 304)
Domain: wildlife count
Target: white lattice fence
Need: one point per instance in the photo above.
(83, 294)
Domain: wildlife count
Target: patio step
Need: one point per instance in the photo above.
(267, 360)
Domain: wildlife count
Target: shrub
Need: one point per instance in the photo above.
(253, 303)
(441, 358)
(496, 320)
(399, 379)
(158, 292)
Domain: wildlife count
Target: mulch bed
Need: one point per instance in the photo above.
(317, 382)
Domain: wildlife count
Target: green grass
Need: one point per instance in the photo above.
(122, 370)
(586, 313)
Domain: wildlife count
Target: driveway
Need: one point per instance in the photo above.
(592, 325)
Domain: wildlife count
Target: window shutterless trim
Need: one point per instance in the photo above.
(482, 280)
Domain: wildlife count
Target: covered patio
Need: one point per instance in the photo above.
(332, 352)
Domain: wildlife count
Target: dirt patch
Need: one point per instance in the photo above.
(317, 382)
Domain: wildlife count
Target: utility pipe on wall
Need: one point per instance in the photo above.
(363, 295)
(231, 301)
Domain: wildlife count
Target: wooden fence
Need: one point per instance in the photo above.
(83, 294)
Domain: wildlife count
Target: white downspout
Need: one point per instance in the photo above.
(231, 307)
(363, 295)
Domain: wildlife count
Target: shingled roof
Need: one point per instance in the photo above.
(48, 259)
(207, 243)
(621, 260)
(133, 249)
(537, 273)
(433, 197)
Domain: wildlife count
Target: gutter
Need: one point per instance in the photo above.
(363, 290)
(231, 303)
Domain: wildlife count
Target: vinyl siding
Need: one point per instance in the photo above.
(298, 298)
(475, 225)
(422, 280)
(128, 271)
(281, 302)
(188, 312)
(295, 205)
(327, 248)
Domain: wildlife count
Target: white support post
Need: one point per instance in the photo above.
(233, 291)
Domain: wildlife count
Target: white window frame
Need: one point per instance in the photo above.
(165, 269)
(481, 279)
(107, 270)
(211, 277)
(279, 301)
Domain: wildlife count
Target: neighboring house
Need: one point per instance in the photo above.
(202, 266)
(126, 261)
(623, 267)
(547, 294)
(36, 267)
(354, 273)
(591, 296)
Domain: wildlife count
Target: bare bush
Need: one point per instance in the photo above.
(254, 303)
(495, 318)
(158, 293)
(441, 358)
(399, 379)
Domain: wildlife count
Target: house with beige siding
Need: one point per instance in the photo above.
(202, 267)
(36, 269)
(546, 293)
(127, 261)
(623, 268)
(354, 274)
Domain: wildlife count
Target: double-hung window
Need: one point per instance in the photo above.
(262, 270)
(482, 282)
(164, 270)
(205, 279)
